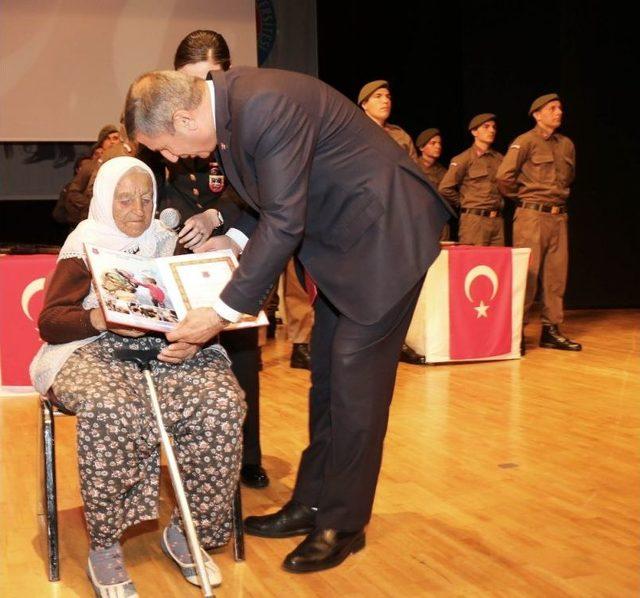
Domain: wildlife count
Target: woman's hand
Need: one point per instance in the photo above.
(178, 352)
(130, 332)
(198, 229)
(99, 323)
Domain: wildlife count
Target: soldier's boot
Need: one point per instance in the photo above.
(552, 338)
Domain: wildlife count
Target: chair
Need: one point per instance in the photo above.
(49, 410)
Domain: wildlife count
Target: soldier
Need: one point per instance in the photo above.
(375, 99)
(537, 172)
(470, 184)
(429, 144)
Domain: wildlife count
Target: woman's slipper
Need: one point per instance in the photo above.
(175, 546)
(107, 574)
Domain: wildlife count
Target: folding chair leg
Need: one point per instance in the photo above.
(238, 526)
(50, 492)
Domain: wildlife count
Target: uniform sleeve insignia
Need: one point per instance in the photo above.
(515, 146)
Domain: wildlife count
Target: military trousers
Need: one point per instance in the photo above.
(546, 235)
(298, 310)
(480, 230)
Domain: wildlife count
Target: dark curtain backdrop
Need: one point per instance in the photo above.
(447, 61)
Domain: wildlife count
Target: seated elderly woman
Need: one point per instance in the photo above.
(118, 441)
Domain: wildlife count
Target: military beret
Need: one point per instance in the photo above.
(369, 88)
(542, 101)
(425, 136)
(105, 132)
(480, 119)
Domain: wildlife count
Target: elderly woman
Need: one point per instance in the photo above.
(118, 442)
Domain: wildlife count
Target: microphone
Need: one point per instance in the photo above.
(171, 218)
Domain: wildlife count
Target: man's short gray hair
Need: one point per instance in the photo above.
(154, 98)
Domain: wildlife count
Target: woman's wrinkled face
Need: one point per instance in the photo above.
(133, 202)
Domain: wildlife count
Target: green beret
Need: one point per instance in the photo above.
(542, 101)
(369, 88)
(105, 132)
(425, 136)
(480, 119)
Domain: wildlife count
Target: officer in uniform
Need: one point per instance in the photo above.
(375, 99)
(536, 172)
(470, 184)
(198, 189)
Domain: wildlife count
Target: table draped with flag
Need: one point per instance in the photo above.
(470, 307)
(22, 281)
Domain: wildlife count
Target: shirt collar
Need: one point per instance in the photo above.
(212, 96)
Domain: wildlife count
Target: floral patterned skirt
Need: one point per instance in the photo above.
(118, 441)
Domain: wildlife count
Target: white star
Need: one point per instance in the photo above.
(482, 310)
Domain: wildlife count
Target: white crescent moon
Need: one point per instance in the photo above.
(30, 290)
(480, 271)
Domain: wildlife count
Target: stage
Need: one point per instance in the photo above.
(511, 478)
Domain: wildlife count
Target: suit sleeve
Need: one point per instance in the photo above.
(509, 169)
(281, 139)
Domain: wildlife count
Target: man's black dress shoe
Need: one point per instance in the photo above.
(552, 338)
(323, 549)
(408, 355)
(300, 356)
(254, 476)
(294, 519)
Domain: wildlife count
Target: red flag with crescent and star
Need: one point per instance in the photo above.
(22, 281)
(480, 280)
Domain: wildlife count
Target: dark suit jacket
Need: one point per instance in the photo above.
(327, 182)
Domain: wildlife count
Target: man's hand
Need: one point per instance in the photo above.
(219, 242)
(198, 229)
(198, 326)
(178, 352)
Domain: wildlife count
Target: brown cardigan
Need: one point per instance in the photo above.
(63, 319)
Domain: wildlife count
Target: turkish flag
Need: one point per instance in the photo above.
(480, 295)
(22, 280)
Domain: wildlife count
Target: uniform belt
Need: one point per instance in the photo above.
(550, 208)
(481, 212)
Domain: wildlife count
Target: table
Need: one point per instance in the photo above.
(22, 280)
(471, 304)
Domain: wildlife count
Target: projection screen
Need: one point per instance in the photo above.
(66, 65)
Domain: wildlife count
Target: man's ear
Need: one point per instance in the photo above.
(184, 120)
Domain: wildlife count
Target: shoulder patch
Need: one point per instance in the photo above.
(514, 146)
(454, 163)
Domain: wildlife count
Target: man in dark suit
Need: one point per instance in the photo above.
(334, 188)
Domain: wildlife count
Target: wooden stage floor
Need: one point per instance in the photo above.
(516, 478)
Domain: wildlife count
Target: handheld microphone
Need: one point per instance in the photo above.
(171, 218)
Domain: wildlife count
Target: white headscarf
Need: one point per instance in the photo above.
(100, 228)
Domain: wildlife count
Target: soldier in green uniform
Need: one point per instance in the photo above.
(536, 172)
(470, 185)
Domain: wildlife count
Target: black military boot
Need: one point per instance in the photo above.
(408, 355)
(523, 345)
(552, 338)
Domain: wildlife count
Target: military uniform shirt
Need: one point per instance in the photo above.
(434, 173)
(402, 138)
(538, 169)
(470, 181)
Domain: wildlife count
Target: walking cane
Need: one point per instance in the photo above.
(142, 360)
